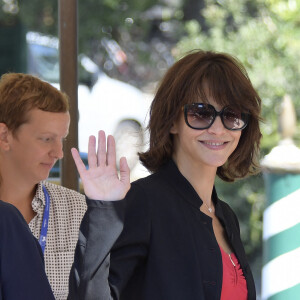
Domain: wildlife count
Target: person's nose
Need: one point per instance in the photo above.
(217, 127)
(57, 150)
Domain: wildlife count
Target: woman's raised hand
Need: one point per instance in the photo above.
(101, 180)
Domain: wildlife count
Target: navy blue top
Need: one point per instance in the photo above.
(22, 274)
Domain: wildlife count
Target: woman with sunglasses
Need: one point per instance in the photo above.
(179, 240)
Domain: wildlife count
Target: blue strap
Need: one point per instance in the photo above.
(44, 229)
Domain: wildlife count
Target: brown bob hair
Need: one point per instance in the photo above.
(188, 81)
(20, 93)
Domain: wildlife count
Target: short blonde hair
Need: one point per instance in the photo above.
(20, 93)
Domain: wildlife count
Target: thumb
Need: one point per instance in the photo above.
(124, 172)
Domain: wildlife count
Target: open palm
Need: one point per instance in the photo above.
(101, 180)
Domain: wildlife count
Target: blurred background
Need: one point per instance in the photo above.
(125, 46)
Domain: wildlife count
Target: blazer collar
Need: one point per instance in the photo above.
(172, 175)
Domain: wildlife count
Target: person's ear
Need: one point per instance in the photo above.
(174, 129)
(4, 136)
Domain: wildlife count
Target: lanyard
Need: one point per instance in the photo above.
(44, 229)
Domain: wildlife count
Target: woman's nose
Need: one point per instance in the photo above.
(217, 127)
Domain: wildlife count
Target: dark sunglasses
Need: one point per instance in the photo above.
(202, 116)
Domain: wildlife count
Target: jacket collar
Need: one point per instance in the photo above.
(173, 176)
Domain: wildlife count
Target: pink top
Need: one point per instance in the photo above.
(234, 285)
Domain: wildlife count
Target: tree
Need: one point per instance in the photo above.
(265, 42)
(129, 40)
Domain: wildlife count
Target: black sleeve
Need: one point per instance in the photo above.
(21, 262)
(99, 229)
(111, 245)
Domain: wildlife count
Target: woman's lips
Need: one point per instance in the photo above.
(215, 145)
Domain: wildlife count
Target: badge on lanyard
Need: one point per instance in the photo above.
(44, 229)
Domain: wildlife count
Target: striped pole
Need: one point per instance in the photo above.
(281, 220)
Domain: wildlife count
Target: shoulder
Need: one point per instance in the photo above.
(63, 192)
(149, 182)
(227, 208)
(7, 208)
(147, 193)
(146, 187)
(11, 219)
(65, 198)
(228, 213)
(8, 211)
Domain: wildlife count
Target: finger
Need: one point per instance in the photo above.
(78, 161)
(124, 173)
(92, 158)
(111, 151)
(101, 151)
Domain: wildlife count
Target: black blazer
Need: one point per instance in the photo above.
(166, 251)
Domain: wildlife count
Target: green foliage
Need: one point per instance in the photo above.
(96, 19)
(262, 43)
(288, 10)
(41, 15)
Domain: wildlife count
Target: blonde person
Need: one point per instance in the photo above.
(34, 121)
(172, 237)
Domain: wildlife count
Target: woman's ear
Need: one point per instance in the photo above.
(173, 129)
(4, 137)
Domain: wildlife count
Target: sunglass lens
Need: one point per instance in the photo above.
(233, 119)
(200, 116)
